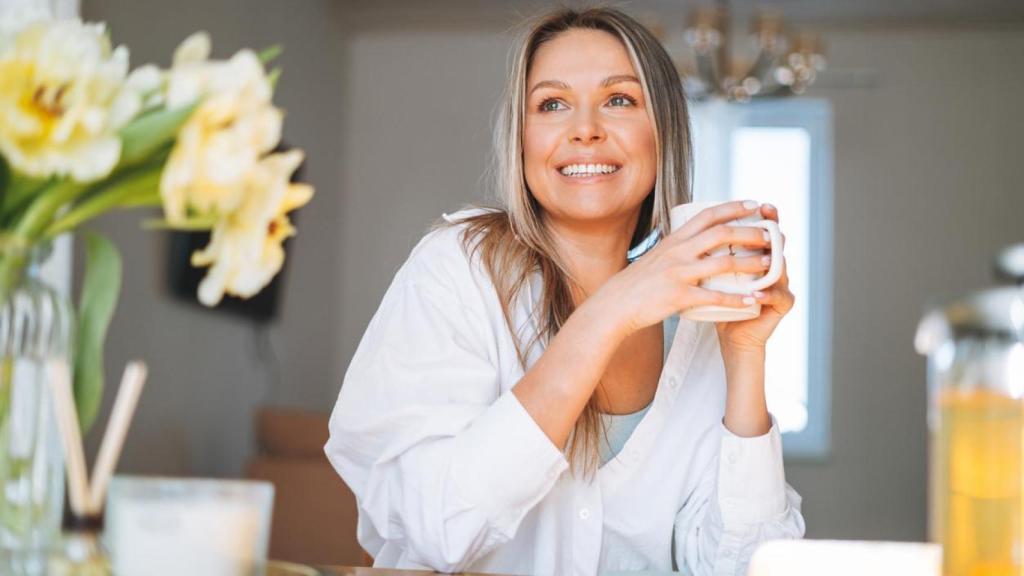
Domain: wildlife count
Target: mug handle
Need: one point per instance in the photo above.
(775, 268)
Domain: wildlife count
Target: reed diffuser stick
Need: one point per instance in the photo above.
(70, 434)
(117, 427)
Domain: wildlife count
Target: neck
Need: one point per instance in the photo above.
(594, 252)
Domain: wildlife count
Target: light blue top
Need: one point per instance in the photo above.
(619, 427)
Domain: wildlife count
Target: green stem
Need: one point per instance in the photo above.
(140, 188)
(43, 208)
(19, 193)
(28, 228)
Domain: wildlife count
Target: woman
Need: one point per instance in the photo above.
(511, 408)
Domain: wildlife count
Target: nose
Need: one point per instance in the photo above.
(586, 127)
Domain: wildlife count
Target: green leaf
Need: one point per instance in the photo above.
(270, 53)
(273, 77)
(149, 132)
(100, 289)
(5, 175)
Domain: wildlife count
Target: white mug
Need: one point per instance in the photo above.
(733, 282)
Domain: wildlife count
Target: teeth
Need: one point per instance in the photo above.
(583, 170)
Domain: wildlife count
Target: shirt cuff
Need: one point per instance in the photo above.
(751, 477)
(507, 463)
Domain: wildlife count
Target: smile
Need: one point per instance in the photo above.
(588, 170)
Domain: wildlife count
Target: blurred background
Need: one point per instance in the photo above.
(897, 170)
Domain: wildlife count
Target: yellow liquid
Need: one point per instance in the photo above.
(977, 511)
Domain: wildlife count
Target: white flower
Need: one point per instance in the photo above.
(245, 250)
(63, 97)
(234, 126)
(14, 20)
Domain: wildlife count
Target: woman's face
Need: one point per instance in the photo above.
(588, 145)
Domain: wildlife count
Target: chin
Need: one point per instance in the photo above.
(593, 208)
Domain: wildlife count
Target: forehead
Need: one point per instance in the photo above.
(586, 56)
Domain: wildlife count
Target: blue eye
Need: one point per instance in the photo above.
(621, 100)
(550, 105)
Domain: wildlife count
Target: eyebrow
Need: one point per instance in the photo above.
(609, 81)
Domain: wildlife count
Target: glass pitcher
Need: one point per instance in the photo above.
(975, 350)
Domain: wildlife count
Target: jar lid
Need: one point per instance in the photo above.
(1010, 264)
(997, 313)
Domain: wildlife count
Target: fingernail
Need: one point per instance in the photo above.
(758, 294)
(772, 206)
(766, 260)
(748, 300)
(750, 204)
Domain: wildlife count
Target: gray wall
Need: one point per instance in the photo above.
(396, 121)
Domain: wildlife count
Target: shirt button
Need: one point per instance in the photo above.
(673, 382)
(733, 458)
(584, 513)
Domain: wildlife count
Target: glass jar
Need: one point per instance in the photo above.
(975, 350)
(36, 326)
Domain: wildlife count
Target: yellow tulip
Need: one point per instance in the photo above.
(234, 125)
(246, 247)
(63, 97)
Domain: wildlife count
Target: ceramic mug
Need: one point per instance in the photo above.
(733, 282)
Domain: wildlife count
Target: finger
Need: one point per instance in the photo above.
(715, 265)
(718, 214)
(725, 235)
(770, 212)
(702, 297)
(778, 298)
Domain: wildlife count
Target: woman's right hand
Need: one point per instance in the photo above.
(667, 279)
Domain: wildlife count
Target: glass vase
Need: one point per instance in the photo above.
(36, 326)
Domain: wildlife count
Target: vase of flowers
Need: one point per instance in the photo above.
(36, 324)
(82, 134)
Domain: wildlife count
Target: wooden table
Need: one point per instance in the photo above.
(351, 571)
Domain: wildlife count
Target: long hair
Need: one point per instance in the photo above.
(512, 241)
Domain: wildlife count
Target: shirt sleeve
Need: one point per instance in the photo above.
(443, 466)
(741, 500)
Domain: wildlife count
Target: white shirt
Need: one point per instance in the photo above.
(451, 473)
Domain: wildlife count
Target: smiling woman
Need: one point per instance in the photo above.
(525, 402)
(596, 99)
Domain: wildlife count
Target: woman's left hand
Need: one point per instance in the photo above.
(776, 301)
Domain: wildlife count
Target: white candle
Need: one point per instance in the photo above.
(157, 526)
(845, 558)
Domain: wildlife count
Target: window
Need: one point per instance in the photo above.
(781, 152)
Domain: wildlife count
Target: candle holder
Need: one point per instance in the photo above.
(201, 527)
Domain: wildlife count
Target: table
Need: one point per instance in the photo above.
(353, 571)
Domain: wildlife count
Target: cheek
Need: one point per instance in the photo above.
(639, 140)
(539, 143)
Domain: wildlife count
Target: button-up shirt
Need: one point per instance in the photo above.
(451, 473)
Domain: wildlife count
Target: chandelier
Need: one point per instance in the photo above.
(784, 64)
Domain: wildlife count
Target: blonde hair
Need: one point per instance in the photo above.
(512, 241)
